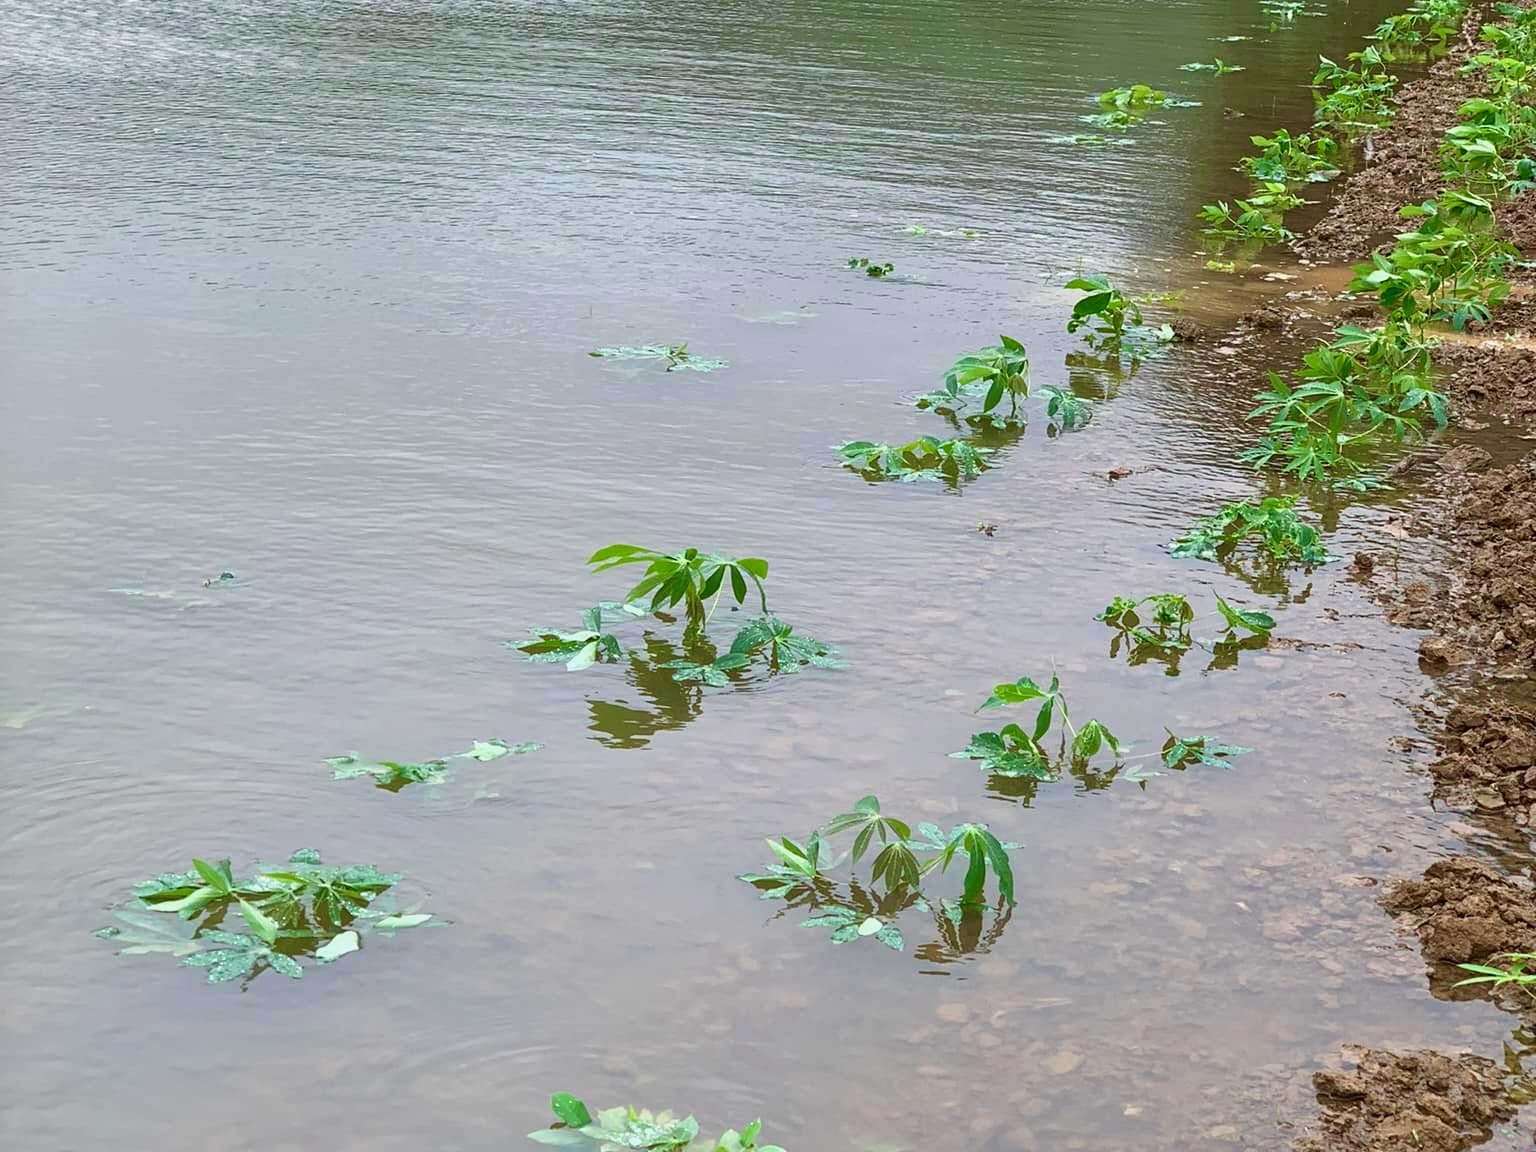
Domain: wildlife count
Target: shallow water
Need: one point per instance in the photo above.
(305, 291)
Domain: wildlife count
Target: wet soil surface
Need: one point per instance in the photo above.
(1464, 911)
(1417, 1099)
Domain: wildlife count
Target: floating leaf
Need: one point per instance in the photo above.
(338, 946)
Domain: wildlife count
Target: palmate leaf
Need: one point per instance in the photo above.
(714, 674)
(676, 356)
(786, 651)
(1180, 752)
(140, 932)
(389, 775)
(486, 750)
(1259, 623)
(1020, 760)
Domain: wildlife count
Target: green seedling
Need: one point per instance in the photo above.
(985, 378)
(677, 357)
(588, 645)
(925, 458)
(1180, 752)
(1221, 265)
(639, 1129)
(1273, 522)
(1516, 973)
(689, 577)
(302, 909)
(1354, 95)
(1111, 320)
(1430, 22)
(871, 268)
(1116, 119)
(1139, 98)
(798, 877)
(1218, 67)
(1253, 219)
(1284, 157)
(392, 775)
(1012, 751)
(784, 651)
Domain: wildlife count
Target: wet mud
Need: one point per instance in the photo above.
(1398, 1100)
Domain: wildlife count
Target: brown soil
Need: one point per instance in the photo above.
(1420, 1100)
(1464, 911)
(1403, 164)
(1487, 611)
(1489, 761)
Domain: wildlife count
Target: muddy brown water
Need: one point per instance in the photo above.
(304, 291)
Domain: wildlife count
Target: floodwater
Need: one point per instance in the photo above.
(304, 289)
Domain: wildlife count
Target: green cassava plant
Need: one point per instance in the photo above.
(1110, 320)
(588, 645)
(1274, 522)
(1013, 751)
(1217, 67)
(1181, 752)
(984, 378)
(1256, 219)
(925, 458)
(871, 268)
(676, 356)
(392, 775)
(301, 910)
(1283, 157)
(689, 577)
(639, 1129)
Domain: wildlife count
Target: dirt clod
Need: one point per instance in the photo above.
(1421, 1100)
(1464, 912)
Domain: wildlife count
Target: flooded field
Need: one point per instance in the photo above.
(304, 291)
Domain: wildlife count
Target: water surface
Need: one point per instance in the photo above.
(304, 290)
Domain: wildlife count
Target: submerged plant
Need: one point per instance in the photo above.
(1136, 97)
(984, 378)
(1013, 751)
(677, 356)
(872, 268)
(1218, 67)
(1365, 387)
(303, 909)
(582, 648)
(1180, 752)
(392, 775)
(925, 458)
(1274, 522)
(1157, 627)
(639, 1129)
(1110, 319)
(1285, 157)
(1257, 218)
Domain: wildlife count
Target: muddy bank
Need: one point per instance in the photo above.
(1484, 609)
(1406, 1100)
(1463, 911)
(1401, 163)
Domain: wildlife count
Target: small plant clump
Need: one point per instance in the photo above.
(639, 1129)
(925, 458)
(871, 268)
(1217, 67)
(1428, 22)
(1517, 972)
(1112, 321)
(1162, 621)
(677, 357)
(302, 910)
(1013, 751)
(1284, 537)
(685, 579)
(800, 874)
(1140, 97)
(1283, 158)
(1354, 96)
(393, 775)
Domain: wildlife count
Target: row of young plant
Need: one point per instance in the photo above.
(977, 385)
(1352, 99)
(1370, 388)
(901, 857)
